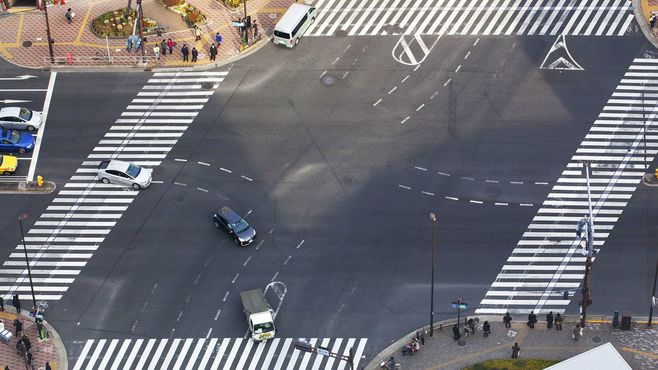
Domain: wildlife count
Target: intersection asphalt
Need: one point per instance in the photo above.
(319, 169)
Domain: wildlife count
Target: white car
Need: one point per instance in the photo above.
(124, 173)
(18, 118)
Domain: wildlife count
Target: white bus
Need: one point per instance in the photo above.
(293, 24)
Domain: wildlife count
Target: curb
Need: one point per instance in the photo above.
(639, 17)
(649, 180)
(23, 187)
(395, 347)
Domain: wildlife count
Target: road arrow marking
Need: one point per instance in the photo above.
(22, 77)
(9, 101)
(564, 62)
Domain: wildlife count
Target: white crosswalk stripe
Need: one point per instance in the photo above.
(470, 17)
(215, 353)
(85, 211)
(547, 260)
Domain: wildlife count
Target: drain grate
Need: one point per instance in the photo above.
(596, 339)
(340, 33)
(328, 80)
(27, 44)
(207, 85)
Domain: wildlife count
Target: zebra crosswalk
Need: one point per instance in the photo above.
(214, 353)
(84, 211)
(547, 260)
(472, 17)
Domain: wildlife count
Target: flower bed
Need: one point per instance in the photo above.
(233, 4)
(113, 24)
(191, 15)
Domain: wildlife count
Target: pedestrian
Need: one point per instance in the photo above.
(18, 327)
(254, 25)
(163, 47)
(471, 325)
(48, 366)
(213, 52)
(577, 333)
(170, 45)
(507, 319)
(516, 349)
(156, 52)
(2, 304)
(20, 348)
(218, 39)
(186, 53)
(558, 322)
(532, 320)
(29, 358)
(28, 344)
(455, 332)
(422, 337)
(69, 16)
(197, 33)
(195, 54)
(17, 303)
(487, 328)
(652, 20)
(549, 320)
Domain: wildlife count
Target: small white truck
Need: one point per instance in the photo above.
(258, 313)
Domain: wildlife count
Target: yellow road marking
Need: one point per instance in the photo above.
(641, 353)
(84, 23)
(272, 10)
(19, 31)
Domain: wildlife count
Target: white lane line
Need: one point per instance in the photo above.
(202, 189)
(157, 182)
(274, 277)
(540, 183)
(516, 182)
(42, 128)
(418, 66)
(287, 259)
(492, 181)
(526, 204)
(476, 201)
(248, 212)
(433, 95)
(246, 261)
(345, 74)
(427, 193)
(420, 107)
(404, 120)
(225, 170)
(235, 278)
(420, 168)
(476, 42)
(452, 198)
(458, 68)
(323, 73)
(335, 60)
(467, 55)
(393, 89)
(246, 178)
(204, 164)
(501, 204)
(180, 184)
(443, 174)
(404, 187)
(467, 178)
(300, 244)
(225, 296)
(404, 79)
(447, 82)
(377, 102)
(217, 314)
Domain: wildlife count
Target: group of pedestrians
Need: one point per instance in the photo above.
(169, 44)
(551, 321)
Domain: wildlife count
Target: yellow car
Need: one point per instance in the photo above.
(8, 164)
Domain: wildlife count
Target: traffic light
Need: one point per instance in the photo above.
(656, 173)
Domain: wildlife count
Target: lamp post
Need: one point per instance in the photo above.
(50, 39)
(140, 28)
(22, 217)
(588, 223)
(653, 295)
(433, 218)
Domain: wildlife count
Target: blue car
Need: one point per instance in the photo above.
(15, 141)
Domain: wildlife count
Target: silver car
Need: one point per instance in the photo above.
(17, 118)
(124, 173)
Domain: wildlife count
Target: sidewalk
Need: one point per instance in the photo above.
(50, 349)
(643, 10)
(638, 346)
(23, 40)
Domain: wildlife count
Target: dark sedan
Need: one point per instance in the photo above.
(235, 226)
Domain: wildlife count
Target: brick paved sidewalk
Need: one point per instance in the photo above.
(638, 346)
(23, 40)
(50, 349)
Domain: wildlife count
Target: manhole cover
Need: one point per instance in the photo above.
(392, 28)
(27, 44)
(179, 199)
(340, 33)
(461, 342)
(328, 80)
(207, 85)
(596, 339)
(348, 180)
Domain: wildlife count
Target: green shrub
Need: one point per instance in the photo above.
(512, 364)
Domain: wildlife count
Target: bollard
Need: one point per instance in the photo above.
(39, 181)
(69, 58)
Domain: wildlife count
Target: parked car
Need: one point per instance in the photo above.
(18, 118)
(231, 222)
(15, 141)
(8, 164)
(124, 173)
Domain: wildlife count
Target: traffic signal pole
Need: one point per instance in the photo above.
(653, 295)
(587, 297)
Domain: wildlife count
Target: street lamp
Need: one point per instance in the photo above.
(50, 39)
(653, 295)
(587, 222)
(22, 217)
(433, 218)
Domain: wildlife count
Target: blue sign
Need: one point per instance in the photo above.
(237, 24)
(462, 305)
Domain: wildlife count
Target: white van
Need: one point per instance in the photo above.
(293, 24)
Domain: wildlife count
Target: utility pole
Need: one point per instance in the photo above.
(22, 217)
(140, 27)
(653, 295)
(50, 39)
(246, 32)
(433, 218)
(587, 221)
